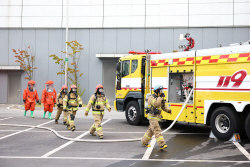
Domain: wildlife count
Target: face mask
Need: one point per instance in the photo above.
(100, 91)
(65, 91)
(31, 87)
(74, 90)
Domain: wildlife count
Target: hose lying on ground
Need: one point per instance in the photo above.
(100, 141)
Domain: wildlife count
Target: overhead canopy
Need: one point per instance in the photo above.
(10, 68)
(111, 55)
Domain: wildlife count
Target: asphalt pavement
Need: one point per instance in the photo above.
(188, 144)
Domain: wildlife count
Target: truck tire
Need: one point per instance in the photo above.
(225, 122)
(247, 126)
(132, 113)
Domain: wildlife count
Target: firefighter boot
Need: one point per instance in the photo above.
(25, 113)
(64, 123)
(31, 114)
(146, 145)
(73, 128)
(44, 113)
(56, 121)
(68, 127)
(163, 147)
(49, 117)
(101, 137)
(93, 134)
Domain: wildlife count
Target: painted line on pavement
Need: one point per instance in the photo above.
(5, 118)
(9, 107)
(149, 149)
(68, 143)
(42, 131)
(126, 159)
(242, 150)
(24, 130)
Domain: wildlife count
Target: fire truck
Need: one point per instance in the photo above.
(220, 78)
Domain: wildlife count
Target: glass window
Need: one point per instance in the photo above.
(134, 65)
(180, 86)
(125, 68)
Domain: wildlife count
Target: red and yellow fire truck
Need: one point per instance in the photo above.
(220, 78)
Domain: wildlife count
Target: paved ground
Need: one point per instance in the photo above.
(188, 145)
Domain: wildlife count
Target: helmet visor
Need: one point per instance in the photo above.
(49, 87)
(161, 90)
(74, 89)
(31, 87)
(65, 90)
(100, 90)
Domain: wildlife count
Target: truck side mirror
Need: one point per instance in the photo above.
(118, 66)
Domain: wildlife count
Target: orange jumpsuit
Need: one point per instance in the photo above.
(30, 99)
(48, 99)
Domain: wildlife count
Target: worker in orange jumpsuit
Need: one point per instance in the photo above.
(30, 97)
(48, 98)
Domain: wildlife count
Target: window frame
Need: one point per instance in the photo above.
(132, 65)
(128, 68)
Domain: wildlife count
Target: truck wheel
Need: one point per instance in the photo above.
(224, 123)
(133, 113)
(247, 126)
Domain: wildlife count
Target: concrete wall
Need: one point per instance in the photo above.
(98, 41)
(124, 13)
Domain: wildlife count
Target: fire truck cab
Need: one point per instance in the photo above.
(220, 78)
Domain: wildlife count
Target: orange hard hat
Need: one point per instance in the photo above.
(72, 86)
(31, 82)
(98, 86)
(64, 87)
(49, 82)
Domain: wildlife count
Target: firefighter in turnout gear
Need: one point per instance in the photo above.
(30, 97)
(155, 106)
(59, 102)
(70, 103)
(98, 101)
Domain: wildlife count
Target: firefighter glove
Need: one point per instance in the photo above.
(24, 100)
(109, 109)
(162, 95)
(86, 113)
(69, 106)
(80, 105)
(37, 101)
(58, 105)
(169, 111)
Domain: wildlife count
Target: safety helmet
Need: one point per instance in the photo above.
(98, 87)
(64, 87)
(158, 87)
(49, 82)
(31, 82)
(73, 88)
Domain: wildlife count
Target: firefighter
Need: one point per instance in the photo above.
(59, 102)
(98, 101)
(155, 105)
(30, 97)
(48, 98)
(70, 103)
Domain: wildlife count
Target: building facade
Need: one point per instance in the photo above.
(108, 29)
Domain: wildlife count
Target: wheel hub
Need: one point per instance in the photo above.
(132, 113)
(225, 123)
(222, 123)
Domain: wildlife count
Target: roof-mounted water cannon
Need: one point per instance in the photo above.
(191, 42)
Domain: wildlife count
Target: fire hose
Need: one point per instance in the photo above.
(100, 141)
